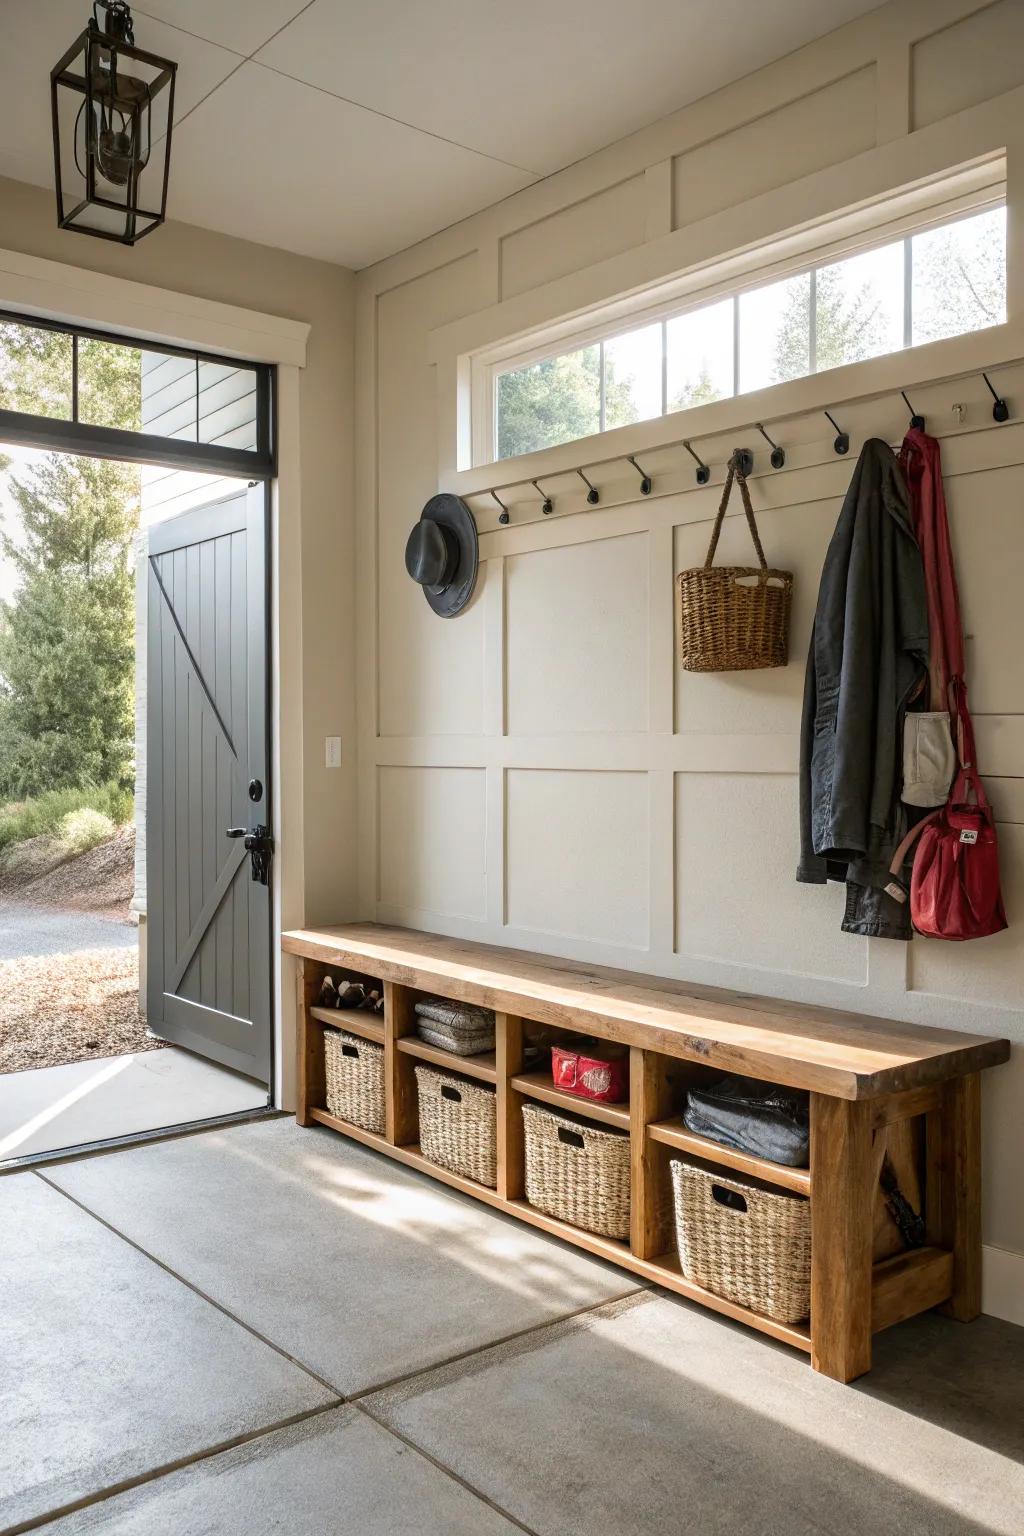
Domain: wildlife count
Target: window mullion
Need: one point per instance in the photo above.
(74, 376)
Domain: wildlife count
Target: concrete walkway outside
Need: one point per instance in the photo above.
(264, 1329)
(26, 930)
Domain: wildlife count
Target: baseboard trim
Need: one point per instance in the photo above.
(1002, 1284)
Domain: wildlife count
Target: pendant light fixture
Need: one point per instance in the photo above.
(113, 107)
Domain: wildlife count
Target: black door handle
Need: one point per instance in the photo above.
(259, 845)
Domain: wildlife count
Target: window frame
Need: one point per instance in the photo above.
(69, 435)
(946, 207)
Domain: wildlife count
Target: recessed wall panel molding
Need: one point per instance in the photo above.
(610, 221)
(986, 970)
(824, 128)
(984, 514)
(737, 899)
(577, 624)
(432, 840)
(795, 539)
(971, 61)
(577, 855)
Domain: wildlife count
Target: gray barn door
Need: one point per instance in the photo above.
(208, 920)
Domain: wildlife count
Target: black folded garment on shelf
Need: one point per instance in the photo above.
(751, 1116)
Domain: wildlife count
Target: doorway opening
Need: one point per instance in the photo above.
(133, 716)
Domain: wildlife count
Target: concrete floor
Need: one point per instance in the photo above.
(259, 1330)
(49, 1108)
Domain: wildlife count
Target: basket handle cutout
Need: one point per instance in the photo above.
(729, 1197)
(350, 1050)
(448, 1092)
(735, 474)
(571, 1138)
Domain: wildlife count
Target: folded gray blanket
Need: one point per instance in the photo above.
(460, 1018)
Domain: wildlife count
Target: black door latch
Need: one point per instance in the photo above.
(259, 845)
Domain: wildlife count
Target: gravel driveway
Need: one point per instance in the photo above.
(26, 930)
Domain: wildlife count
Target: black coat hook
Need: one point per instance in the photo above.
(915, 420)
(593, 494)
(778, 454)
(548, 505)
(842, 442)
(645, 480)
(1000, 410)
(703, 470)
(503, 515)
(742, 461)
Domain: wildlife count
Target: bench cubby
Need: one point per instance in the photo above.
(877, 1088)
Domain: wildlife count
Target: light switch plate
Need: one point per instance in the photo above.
(332, 751)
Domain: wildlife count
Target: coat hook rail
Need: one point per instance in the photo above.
(1000, 410)
(842, 440)
(547, 505)
(778, 455)
(703, 470)
(503, 515)
(593, 494)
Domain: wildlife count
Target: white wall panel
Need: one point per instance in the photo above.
(985, 523)
(736, 896)
(817, 130)
(432, 840)
(610, 221)
(968, 62)
(577, 854)
(577, 638)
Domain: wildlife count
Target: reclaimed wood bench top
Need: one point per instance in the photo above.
(847, 1055)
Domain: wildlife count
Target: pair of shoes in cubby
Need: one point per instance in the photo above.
(350, 995)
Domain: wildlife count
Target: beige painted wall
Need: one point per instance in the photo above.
(212, 266)
(539, 772)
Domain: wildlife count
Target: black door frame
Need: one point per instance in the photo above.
(259, 465)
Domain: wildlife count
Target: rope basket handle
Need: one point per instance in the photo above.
(735, 473)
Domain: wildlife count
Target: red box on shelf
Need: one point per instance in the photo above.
(603, 1078)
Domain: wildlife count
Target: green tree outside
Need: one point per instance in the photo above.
(67, 653)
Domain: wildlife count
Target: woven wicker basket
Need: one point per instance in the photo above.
(576, 1172)
(743, 1242)
(734, 618)
(355, 1079)
(458, 1124)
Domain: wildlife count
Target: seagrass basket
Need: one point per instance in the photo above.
(734, 618)
(354, 1070)
(743, 1242)
(458, 1124)
(577, 1172)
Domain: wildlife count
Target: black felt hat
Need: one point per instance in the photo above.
(443, 554)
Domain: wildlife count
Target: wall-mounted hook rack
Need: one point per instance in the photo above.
(743, 459)
(778, 455)
(645, 480)
(842, 439)
(503, 515)
(703, 470)
(547, 505)
(593, 494)
(915, 420)
(1000, 409)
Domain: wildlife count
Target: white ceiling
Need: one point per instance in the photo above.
(349, 129)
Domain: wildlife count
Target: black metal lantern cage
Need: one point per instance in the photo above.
(113, 108)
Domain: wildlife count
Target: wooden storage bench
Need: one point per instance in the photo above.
(874, 1086)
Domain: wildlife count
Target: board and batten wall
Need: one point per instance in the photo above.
(539, 772)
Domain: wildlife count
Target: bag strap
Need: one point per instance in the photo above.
(735, 473)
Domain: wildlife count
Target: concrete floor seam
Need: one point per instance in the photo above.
(165, 1469)
(196, 1291)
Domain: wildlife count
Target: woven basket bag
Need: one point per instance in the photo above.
(355, 1079)
(576, 1172)
(743, 1242)
(734, 618)
(458, 1125)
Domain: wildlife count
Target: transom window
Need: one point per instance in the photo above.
(938, 282)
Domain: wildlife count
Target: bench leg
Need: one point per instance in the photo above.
(843, 1178)
(960, 1192)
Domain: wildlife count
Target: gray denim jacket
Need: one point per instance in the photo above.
(868, 655)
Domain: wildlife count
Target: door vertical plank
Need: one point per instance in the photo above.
(650, 1195)
(401, 1104)
(508, 1042)
(310, 1077)
(843, 1180)
(960, 1192)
